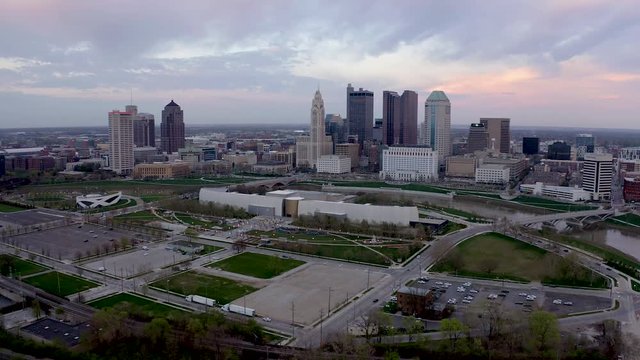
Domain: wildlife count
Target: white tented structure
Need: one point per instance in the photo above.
(92, 201)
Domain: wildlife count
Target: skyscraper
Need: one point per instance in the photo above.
(499, 133)
(559, 150)
(121, 142)
(390, 118)
(144, 130)
(360, 113)
(409, 118)
(597, 174)
(436, 129)
(478, 139)
(172, 128)
(310, 148)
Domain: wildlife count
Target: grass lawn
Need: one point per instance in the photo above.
(551, 204)
(628, 218)
(6, 208)
(397, 253)
(380, 184)
(146, 305)
(214, 287)
(153, 197)
(451, 227)
(257, 265)
(210, 248)
(496, 256)
(14, 265)
(139, 216)
(322, 238)
(68, 284)
(334, 251)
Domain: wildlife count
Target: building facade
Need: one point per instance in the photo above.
(350, 150)
(499, 133)
(597, 175)
(585, 144)
(408, 118)
(172, 128)
(390, 118)
(461, 166)
(161, 171)
(409, 163)
(631, 190)
(565, 193)
(630, 153)
(436, 129)
(559, 151)
(492, 174)
(334, 164)
(121, 142)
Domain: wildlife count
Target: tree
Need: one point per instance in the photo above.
(453, 330)
(156, 331)
(124, 242)
(544, 332)
(456, 260)
(36, 309)
(239, 246)
(488, 265)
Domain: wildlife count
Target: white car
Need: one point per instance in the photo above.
(421, 282)
(530, 298)
(394, 298)
(465, 301)
(492, 296)
(452, 301)
(557, 302)
(466, 284)
(473, 291)
(439, 283)
(447, 284)
(267, 319)
(522, 294)
(468, 297)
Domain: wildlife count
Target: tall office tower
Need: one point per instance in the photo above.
(409, 118)
(360, 114)
(436, 129)
(2, 165)
(530, 145)
(390, 118)
(478, 139)
(310, 148)
(144, 130)
(335, 127)
(585, 143)
(349, 91)
(499, 133)
(597, 174)
(172, 128)
(121, 142)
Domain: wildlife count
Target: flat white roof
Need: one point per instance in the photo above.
(281, 192)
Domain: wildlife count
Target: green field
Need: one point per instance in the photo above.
(380, 184)
(139, 216)
(210, 249)
(483, 256)
(14, 265)
(6, 208)
(153, 197)
(551, 204)
(68, 284)
(321, 238)
(214, 287)
(142, 304)
(335, 251)
(257, 265)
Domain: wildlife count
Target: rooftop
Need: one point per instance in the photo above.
(437, 95)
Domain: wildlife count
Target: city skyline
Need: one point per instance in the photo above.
(531, 66)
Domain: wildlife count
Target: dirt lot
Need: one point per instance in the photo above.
(308, 291)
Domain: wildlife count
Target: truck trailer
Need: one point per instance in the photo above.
(200, 300)
(239, 310)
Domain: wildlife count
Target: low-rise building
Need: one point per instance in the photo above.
(334, 164)
(350, 150)
(415, 300)
(409, 163)
(566, 193)
(631, 189)
(186, 247)
(492, 174)
(161, 170)
(92, 201)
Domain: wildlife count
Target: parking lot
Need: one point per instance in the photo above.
(138, 261)
(309, 291)
(69, 242)
(472, 295)
(50, 329)
(30, 217)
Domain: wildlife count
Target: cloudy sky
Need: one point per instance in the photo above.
(545, 62)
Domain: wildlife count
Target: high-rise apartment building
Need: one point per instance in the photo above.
(144, 130)
(121, 142)
(360, 113)
(499, 133)
(390, 118)
(478, 139)
(409, 118)
(530, 145)
(172, 128)
(597, 174)
(436, 129)
(310, 148)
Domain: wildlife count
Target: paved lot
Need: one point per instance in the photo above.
(511, 299)
(69, 241)
(30, 217)
(308, 290)
(138, 261)
(50, 329)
